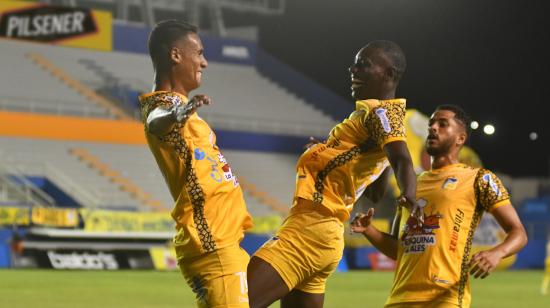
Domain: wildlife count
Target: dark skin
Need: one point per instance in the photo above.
(446, 137)
(373, 77)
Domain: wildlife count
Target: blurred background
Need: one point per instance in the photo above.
(79, 188)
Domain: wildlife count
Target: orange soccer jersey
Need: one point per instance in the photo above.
(433, 257)
(336, 173)
(209, 210)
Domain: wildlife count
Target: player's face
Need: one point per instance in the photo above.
(443, 133)
(367, 73)
(190, 61)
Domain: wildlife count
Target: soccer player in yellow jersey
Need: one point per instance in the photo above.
(294, 265)
(433, 257)
(209, 210)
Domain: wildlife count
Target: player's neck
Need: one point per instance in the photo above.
(165, 82)
(441, 161)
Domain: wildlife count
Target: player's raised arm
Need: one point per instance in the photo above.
(484, 262)
(386, 243)
(162, 120)
(400, 160)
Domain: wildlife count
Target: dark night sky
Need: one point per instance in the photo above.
(487, 56)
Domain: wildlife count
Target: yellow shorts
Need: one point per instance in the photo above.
(218, 278)
(306, 250)
(547, 263)
(434, 304)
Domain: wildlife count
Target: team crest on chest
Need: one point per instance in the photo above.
(450, 183)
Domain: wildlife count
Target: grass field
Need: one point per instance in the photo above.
(48, 288)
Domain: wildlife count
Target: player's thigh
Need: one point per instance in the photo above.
(264, 282)
(229, 290)
(297, 298)
(218, 279)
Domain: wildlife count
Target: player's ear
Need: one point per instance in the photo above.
(175, 55)
(391, 73)
(461, 139)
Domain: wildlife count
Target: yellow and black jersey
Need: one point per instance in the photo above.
(210, 211)
(335, 173)
(433, 257)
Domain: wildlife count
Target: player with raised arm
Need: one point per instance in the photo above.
(433, 258)
(294, 265)
(209, 210)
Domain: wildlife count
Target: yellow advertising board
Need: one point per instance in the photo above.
(14, 216)
(54, 217)
(164, 258)
(114, 221)
(58, 25)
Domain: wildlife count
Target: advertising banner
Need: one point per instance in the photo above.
(65, 26)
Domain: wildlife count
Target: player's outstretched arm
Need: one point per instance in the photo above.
(400, 160)
(386, 243)
(483, 262)
(162, 120)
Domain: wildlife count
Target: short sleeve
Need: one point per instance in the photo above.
(150, 102)
(385, 123)
(490, 191)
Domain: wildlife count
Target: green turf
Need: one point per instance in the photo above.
(48, 288)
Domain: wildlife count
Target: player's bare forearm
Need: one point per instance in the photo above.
(516, 237)
(400, 160)
(384, 242)
(484, 262)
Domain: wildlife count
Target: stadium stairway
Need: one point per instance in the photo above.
(125, 184)
(76, 85)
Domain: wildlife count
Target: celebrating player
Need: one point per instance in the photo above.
(294, 265)
(209, 211)
(433, 257)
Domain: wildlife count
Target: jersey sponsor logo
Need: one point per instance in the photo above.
(417, 236)
(487, 178)
(223, 173)
(381, 113)
(450, 183)
(459, 218)
(199, 154)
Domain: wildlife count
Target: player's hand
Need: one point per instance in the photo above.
(197, 101)
(185, 111)
(484, 262)
(361, 221)
(415, 208)
(312, 141)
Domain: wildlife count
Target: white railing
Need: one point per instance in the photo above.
(84, 196)
(15, 181)
(58, 107)
(273, 126)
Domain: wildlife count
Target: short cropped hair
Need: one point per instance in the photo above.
(460, 115)
(162, 38)
(394, 53)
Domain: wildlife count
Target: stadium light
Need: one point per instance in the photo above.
(474, 125)
(489, 129)
(533, 136)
